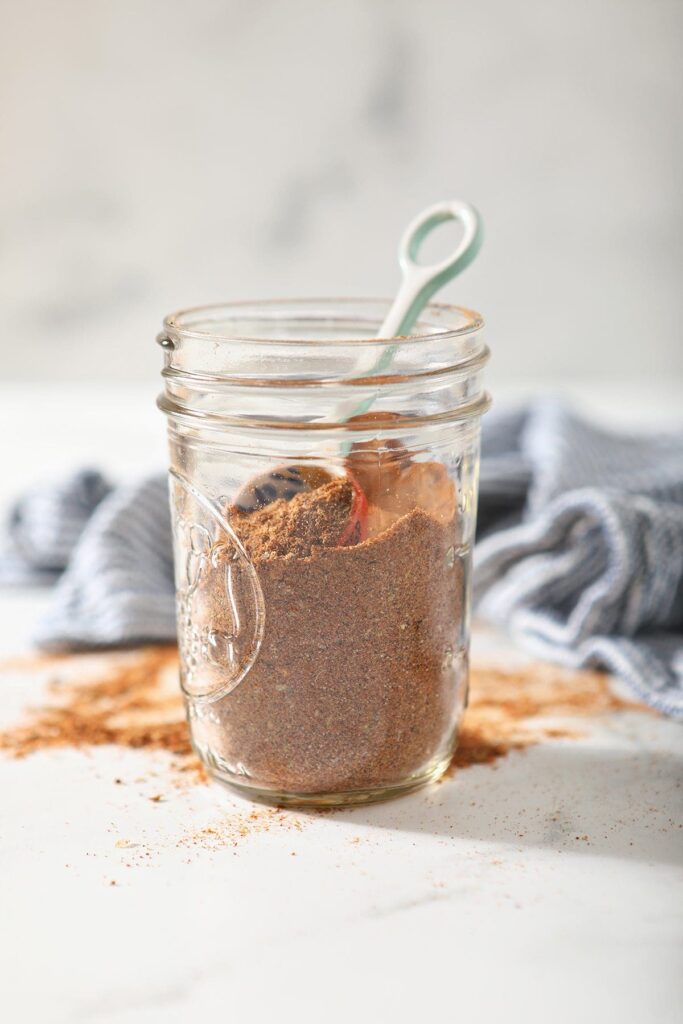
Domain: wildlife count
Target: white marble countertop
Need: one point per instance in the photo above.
(472, 899)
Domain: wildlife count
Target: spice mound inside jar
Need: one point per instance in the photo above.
(321, 517)
(361, 676)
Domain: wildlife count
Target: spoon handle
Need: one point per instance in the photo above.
(421, 281)
(418, 285)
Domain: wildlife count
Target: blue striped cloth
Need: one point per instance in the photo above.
(579, 556)
(581, 553)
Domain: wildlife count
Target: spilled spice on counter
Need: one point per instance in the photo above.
(511, 709)
(230, 830)
(132, 699)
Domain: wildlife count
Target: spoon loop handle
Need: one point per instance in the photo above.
(421, 281)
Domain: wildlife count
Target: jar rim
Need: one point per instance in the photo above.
(174, 321)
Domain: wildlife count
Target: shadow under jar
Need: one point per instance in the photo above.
(323, 522)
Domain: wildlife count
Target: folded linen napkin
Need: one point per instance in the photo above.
(580, 556)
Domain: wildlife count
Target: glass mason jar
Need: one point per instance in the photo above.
(323, 494)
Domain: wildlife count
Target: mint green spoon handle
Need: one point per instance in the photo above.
(419, 284)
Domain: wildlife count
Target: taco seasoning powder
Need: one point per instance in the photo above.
(355, 685)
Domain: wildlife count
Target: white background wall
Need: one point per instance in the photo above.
(159, 153)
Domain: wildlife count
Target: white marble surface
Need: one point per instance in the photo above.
(160, 154)
(470, 900)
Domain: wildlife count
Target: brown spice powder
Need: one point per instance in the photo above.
(510, 709)
(132, 700)
(292, 529)
(360, 678)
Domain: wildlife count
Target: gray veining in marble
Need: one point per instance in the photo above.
(162, 154)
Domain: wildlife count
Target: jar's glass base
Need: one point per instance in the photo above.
(279, 798)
